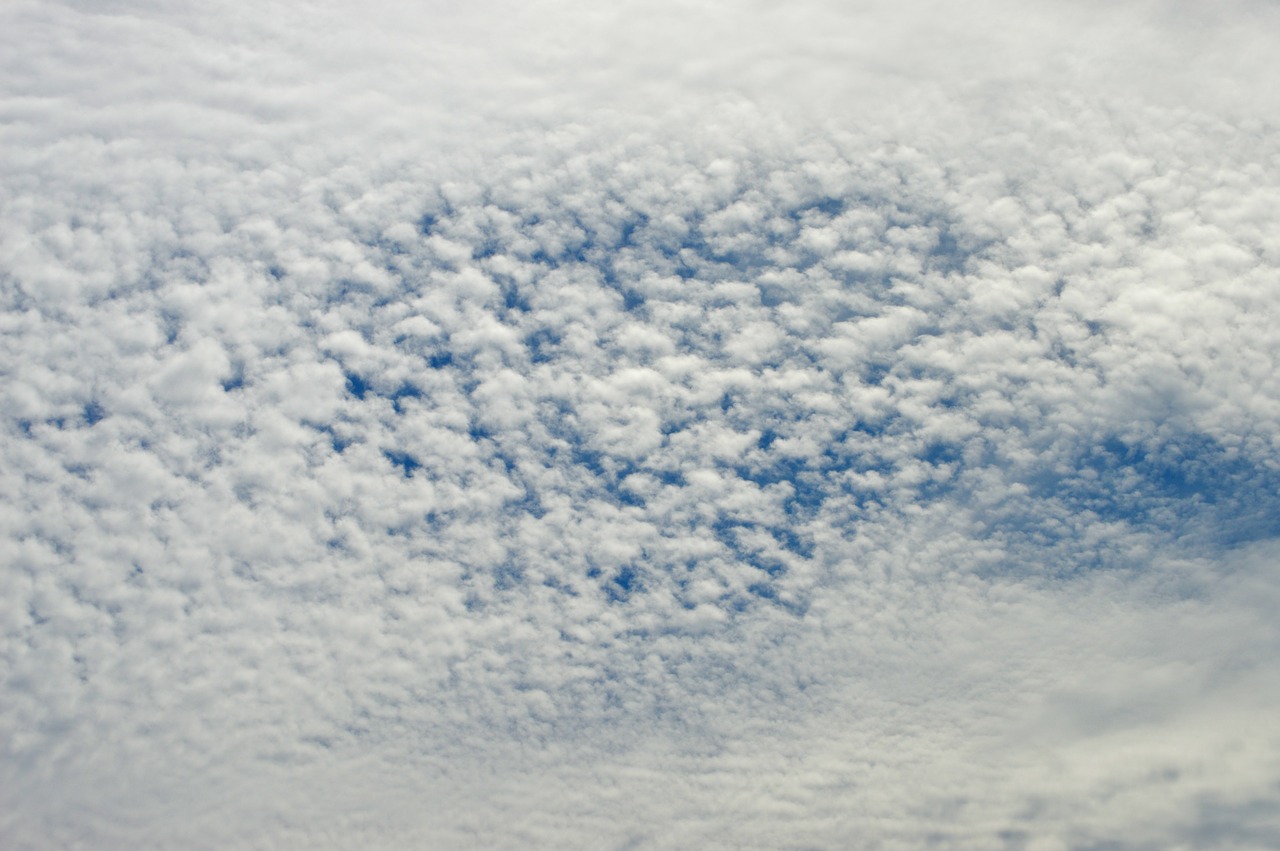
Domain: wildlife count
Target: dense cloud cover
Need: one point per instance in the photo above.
(664, 425)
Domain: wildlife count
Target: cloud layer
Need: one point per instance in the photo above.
(669, 426)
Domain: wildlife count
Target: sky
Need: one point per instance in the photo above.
(679, 424)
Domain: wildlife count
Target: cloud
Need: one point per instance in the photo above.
(649, 427)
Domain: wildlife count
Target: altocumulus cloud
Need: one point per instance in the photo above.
(692, 424)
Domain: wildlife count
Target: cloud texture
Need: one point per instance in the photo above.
(676, 425)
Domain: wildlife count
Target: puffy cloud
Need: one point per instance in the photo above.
(655, 426)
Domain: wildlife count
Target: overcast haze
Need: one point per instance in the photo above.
(639, 425)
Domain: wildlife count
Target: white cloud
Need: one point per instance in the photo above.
(648, 426)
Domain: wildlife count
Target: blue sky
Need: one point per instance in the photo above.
(672, 425)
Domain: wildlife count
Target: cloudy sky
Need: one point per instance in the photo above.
(645, 425)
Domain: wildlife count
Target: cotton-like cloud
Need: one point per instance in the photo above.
(830, 426)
